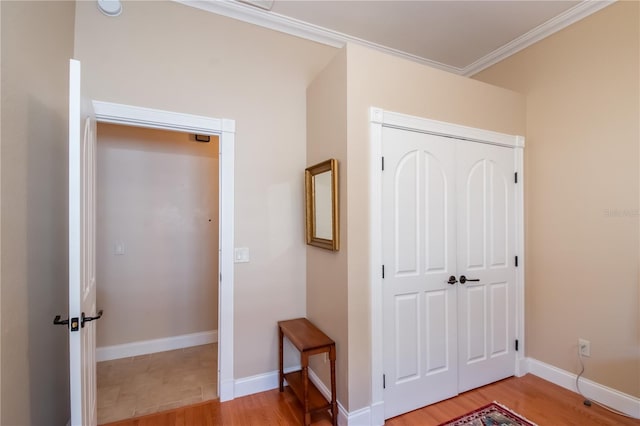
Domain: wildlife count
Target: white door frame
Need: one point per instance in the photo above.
(107, 112)
(378, 119)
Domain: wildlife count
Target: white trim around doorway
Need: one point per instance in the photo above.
(107, 112)
(378, 119)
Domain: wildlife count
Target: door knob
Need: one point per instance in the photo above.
(452, 280)
(87, 319)
(464, 279)
(58, 321)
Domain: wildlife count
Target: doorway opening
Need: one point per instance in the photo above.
(157, 268)
(221, 131)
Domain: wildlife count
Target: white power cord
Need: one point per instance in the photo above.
(588, 401)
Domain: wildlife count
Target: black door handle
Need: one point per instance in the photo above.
(452, 280)
(464, 279)
(72, 323)
(87, 319)
(58, 321)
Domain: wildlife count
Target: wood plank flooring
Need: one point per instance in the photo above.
(540, 401)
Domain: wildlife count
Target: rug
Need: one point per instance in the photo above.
(493, 414)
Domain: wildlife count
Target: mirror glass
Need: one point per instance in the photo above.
(321, 184)
(322, 199)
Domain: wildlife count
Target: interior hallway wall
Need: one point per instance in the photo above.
(169, 56)
(327, 286)
(37, 43)
(582, 88)
(157, 199)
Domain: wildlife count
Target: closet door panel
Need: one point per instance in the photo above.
(420, 355)
(486, 253)
(448, 210)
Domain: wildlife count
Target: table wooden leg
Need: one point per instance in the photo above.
(305, 387)
(334, 403)
(281, 375)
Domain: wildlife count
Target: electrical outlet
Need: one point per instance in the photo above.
(585, 347)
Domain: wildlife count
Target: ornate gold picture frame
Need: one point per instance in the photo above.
(322, 213)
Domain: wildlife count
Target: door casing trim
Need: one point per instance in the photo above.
(108, 112)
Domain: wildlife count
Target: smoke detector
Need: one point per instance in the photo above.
(110, 7)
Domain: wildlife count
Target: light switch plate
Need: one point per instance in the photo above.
(241, 255)
(118, 249)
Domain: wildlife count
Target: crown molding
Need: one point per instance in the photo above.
(552, 26)
(253, 15)
(257, 16)
(274, 21)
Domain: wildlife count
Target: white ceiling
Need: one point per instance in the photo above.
(463, 37)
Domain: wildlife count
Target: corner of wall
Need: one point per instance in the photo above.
(326, 302)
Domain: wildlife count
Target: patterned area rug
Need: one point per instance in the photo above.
(494, 414)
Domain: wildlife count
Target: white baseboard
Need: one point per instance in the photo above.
(360, 417)
(377, 414)
(522, 367)
(368, 415)
(259, 383)
(226, 390)
(343, 415)
(345, 418)
(106, 353)
(605, 395)
(268, 381)
(254, 384)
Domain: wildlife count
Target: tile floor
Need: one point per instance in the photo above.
(132, 387)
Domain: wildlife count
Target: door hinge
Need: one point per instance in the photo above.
(220, 276)
(516, 261)
(516, 345)
(382, 163)
(384, 381)
(516, 177)
(382, 271)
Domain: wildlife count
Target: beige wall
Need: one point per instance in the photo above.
(376, 79)
(158, 196)
(169, 56)
(327, 270)
(583, 114)
(37, 42)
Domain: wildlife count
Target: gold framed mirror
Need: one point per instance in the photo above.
(321, 195)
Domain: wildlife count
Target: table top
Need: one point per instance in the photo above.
(304, 335)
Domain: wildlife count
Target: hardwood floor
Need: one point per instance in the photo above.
(536, 399)
(540, 401)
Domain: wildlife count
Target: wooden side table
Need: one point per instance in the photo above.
(309, 340)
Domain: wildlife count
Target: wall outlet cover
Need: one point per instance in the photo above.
(584, 346)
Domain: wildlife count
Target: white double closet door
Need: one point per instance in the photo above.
(448, 211)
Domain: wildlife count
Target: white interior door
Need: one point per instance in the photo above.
(486, 252)
(447, 211)
(419, 252)
(82, 266)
